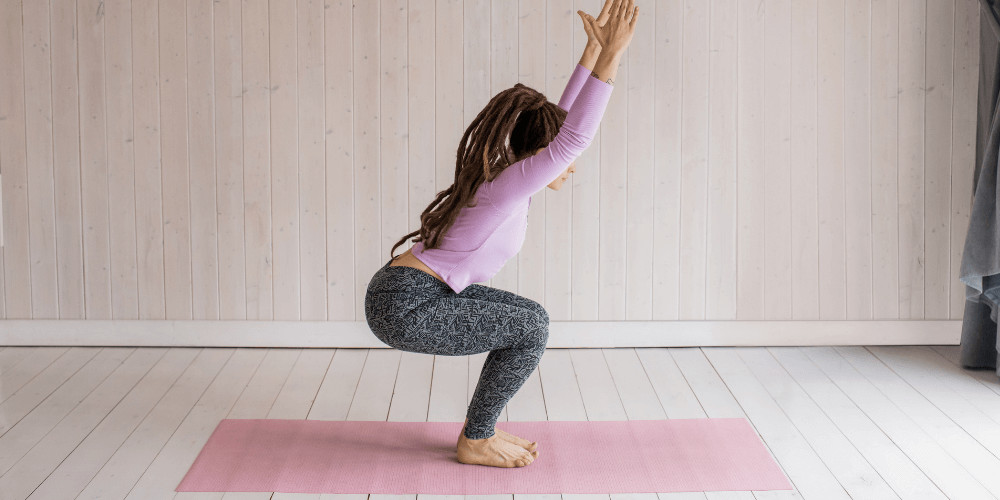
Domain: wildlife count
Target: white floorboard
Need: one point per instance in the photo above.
(842, 421)
(878, 450)
(19, 365)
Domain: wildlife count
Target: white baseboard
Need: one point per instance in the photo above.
(356, 334)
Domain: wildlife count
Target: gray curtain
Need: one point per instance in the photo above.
(980, 268)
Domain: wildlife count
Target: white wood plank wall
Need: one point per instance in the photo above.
(759, 160)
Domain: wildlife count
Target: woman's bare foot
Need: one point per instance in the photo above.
(493, 451)
(523, 443)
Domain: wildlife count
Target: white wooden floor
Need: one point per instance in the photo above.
(843, 422)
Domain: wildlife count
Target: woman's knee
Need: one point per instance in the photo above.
(540, 334)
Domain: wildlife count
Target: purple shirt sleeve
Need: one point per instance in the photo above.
(521, 180)
(576, 80)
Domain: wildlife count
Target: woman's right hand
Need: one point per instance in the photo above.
(616, 34)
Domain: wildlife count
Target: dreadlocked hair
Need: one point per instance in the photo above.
(519, 113)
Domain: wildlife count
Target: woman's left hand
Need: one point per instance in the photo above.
(602, 18)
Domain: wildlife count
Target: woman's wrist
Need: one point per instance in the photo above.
(606, 67)
(590, 54)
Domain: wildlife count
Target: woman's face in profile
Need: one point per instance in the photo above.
(558, 182)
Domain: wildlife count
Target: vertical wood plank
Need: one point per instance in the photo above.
(884, 158)
(174, 157)
(912, 62)
(367, 87)
(394, 124)
(94, 160)
(938, 158)
(420, 116)
(803, 160)
(38, 157)
(667, 125)
(694, 155)
(777, 229)
(2, 308)
(66, 161)
(531, 40)
(614, 204)
(228, 90)
(284, 159)
(585, 183)
(338, 49)
(449, 34)
(720, 266)
(751, 168)
(830, 130)
(15, 178)
(540, 60)
(857, 164)
(638, 225)
(478, 90)
(149, 224)
(121, 160)
(201, 161)
(965, 74)
(420, 91)
(3, 302)
(312, 180)
(257, 161)
(553, 283)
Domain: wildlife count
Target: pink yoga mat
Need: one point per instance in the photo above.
(400, 458)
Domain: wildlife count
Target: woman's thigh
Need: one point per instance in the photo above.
(491, 294)
(458, 325)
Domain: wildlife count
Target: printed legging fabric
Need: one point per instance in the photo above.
(413, 311)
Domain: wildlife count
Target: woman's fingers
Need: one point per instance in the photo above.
(586, 24)
(635, 14)
(606, 10)
(615, 9)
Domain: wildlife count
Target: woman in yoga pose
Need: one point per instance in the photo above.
(426, 301)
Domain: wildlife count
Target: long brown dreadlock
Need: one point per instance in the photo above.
(520, 112)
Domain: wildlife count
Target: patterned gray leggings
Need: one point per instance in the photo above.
(413, 311)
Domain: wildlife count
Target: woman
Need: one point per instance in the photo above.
(424, 300)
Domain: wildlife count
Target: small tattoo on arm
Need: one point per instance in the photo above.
(594, 74)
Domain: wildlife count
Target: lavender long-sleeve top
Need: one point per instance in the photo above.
(484, 237)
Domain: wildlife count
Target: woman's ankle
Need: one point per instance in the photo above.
(467, 438)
